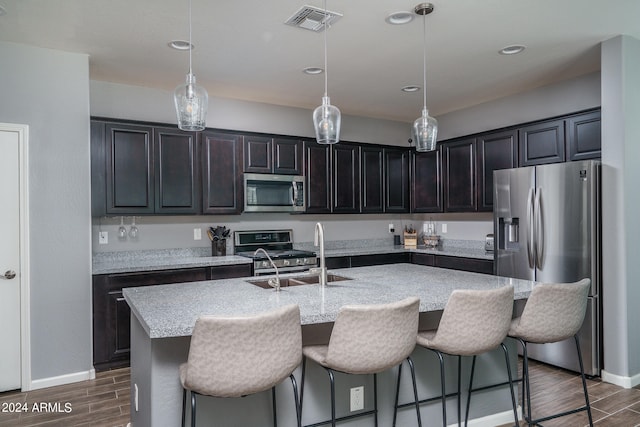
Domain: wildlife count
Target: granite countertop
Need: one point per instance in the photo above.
(171, 310)
(167, 259)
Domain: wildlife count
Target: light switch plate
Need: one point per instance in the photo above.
(356, 403)
(197, 234)
(103, 237)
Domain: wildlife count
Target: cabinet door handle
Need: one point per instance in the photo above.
(9, 274)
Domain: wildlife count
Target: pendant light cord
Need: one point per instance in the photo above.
(424, 58)
(190, 45)
(326, 71)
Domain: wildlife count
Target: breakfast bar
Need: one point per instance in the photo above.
(163, 317)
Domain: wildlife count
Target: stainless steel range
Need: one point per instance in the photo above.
(279, 245)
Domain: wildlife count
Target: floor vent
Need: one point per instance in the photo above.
(312, 18)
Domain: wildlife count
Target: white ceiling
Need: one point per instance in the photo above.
(244, 50)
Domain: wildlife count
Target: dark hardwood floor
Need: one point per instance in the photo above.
(104, 402)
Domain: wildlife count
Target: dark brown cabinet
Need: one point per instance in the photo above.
(222, 191)
(495, 151)
(129, 169)
(346, 178)
(372, 179)
(542, 143)
(273, 155)
(584, 136)
(176, 171)
(426, 183)
(396, 180)
(142, 170)
(111, 313)
(317, 177)
(459, 171)
(464, 264)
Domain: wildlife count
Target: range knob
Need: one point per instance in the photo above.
(285, 262)
(300, 261)
(265, 263)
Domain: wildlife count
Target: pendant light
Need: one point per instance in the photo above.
(326, 118)
(191, 100)
(425, 128)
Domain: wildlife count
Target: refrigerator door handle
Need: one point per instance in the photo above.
(539, 227)
(530, 229)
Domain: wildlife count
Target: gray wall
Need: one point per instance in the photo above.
(49, 91)
(557, 99)
(621, 204)
(138, 103)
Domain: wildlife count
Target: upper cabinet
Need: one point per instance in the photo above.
(317, 175)
(273, 155)
(396, 180)
(584, 136)
(459, 171)
(373, 179)
(542, 143)
(176, 175)
(345, 166)
(222, 191)
(426, 182)
(140, 170)
(129, 169)
(496, 151)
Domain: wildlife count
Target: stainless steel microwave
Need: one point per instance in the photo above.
(273, 193)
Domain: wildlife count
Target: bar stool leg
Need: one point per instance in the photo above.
(584, 381)
(333, 397)
(473, 369)
(375, 399)
(193, 409)
(513, 394)
(184, 405)
(415, 389)
(443, 389)
(395, 405)
(295, 397)
(273, 402)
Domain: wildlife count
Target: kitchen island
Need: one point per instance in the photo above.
(163, 317)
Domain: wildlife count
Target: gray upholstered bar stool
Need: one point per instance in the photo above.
(237, 356)
(553, 313)
(366, 339)
(473, 322)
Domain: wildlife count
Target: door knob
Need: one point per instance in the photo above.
(9, 274)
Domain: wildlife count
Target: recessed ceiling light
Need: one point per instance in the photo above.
(411, 88)
(3, 11)
(180, 45)
(511, 50)
(313, 70)
(399, 18)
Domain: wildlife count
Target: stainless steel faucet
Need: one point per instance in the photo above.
(274, 282)
(318, 240)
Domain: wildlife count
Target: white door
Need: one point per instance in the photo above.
(10, 366)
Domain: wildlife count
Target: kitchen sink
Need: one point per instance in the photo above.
(298, 280)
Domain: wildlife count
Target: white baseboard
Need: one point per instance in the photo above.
(61, 380)
(492, 420)
(626, 382)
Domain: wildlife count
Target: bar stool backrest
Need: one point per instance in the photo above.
(368, 339)
(236, 356)
(553, 312)
(474, 321)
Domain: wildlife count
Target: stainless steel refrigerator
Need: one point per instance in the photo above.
(547, 228)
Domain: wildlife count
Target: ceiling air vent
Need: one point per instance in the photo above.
(312, 18)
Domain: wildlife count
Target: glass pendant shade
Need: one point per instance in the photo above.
(191, 103)
(326, 121)
(425, 132)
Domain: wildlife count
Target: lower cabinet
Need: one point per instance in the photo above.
(464, 264)
(111, 314)
(432, 260)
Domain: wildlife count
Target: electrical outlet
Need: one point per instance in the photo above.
(444, 228)
(391, 228)
(103, 237)
(356, 403)
(197, 234)
(135, 396)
